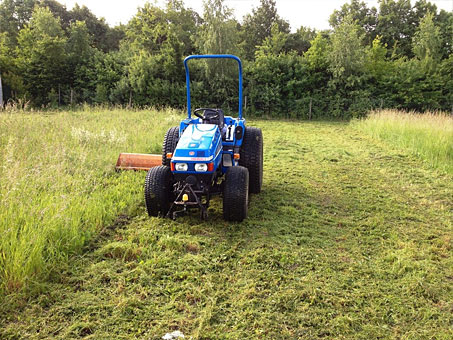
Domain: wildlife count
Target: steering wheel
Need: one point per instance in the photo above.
(196, 113)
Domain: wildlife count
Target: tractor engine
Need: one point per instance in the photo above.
(195, 164)
(197, 154)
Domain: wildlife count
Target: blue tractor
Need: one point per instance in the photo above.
(206, 155)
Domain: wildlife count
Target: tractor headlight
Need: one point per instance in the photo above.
(201, 167)
(181, 166)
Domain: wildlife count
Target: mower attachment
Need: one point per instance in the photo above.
(138, 161)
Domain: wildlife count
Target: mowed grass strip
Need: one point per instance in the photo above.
(58, 186)
(350, 239)
(427, 135)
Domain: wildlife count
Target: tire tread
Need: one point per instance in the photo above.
(169, 145)
(235, 194)
(157, 190)
(252, 157)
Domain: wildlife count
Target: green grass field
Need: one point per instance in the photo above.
(427, 135)
(59, 187)
(351, 238)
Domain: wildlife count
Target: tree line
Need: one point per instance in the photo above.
(396, 56)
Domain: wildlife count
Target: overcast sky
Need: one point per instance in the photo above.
(311, 13)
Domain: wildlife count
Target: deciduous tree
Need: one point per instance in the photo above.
(346, 55)
(426, 41)
(257, 26)
(14, 15)
(41, 55)
(365, 17)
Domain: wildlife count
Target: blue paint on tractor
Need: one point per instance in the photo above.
(199, 143)
(198, 137)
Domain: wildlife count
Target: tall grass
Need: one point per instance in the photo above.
(428, 135)
(58, 186)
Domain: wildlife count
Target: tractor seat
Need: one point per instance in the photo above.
(214, 116)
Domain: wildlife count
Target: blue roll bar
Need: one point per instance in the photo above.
(212, 56)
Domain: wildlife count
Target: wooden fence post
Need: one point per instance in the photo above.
(1, 93)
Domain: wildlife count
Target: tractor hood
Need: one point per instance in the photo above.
(199, 142)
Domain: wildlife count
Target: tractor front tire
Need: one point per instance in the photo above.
(158, 186)
(169, 145)
(252, 157)
(236, 194)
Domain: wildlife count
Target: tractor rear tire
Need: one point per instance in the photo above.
(236, 194)
(158, 186)
(169, 145)
(252, 157)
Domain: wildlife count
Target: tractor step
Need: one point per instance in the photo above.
(138, 161)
